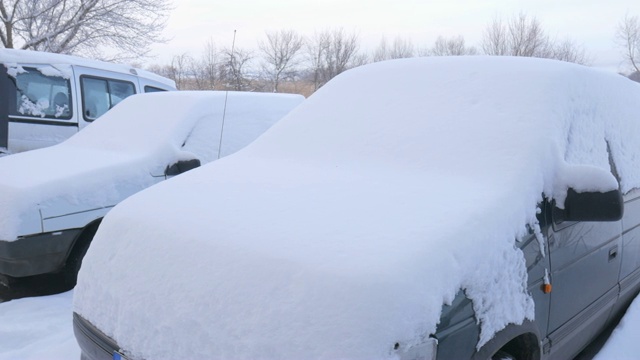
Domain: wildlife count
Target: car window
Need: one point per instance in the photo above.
(100, 94)
(41, 95)
(150, 89)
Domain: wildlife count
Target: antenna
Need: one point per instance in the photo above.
(226, 96)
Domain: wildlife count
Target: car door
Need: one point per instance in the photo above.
(585, 260)
(630, 267)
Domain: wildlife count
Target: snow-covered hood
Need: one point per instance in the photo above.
(344, 229)
(128, 149)
(62, 180)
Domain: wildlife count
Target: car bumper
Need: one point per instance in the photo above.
(94, 344)
(36, 254)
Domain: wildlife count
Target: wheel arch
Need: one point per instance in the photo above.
(82, 241)
(521, 341)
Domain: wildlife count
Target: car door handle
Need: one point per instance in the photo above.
(613, 253)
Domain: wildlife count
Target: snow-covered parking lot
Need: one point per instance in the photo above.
(340, 234)
(40, 328)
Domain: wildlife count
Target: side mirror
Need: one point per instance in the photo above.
(181, 166)
(591, 206)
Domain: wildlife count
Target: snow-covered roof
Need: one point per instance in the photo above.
(117, 154)
(16, 56)
(344, 228)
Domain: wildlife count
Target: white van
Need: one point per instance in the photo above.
(45, 98)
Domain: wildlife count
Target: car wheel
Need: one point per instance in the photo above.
(69, 274)
(502, 355)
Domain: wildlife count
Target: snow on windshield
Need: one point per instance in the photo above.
(344, 228)
(118, 153)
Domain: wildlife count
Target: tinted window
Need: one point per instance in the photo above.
(42, 96)
(99, 95)
(150, 89)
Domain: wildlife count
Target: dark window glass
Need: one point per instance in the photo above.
(150, 89)
(99, 95)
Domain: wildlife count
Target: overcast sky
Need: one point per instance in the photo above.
(193, 22)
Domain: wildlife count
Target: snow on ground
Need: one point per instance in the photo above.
(623, 343)
(38, 328)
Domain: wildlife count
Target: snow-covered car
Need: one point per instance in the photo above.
(46, 98)
(432, 208)
(53, 199)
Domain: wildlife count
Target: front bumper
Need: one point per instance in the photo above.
(94, 344)
(36, 254)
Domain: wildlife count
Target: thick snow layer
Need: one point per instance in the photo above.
(38, 328)
(126, 150)
(11, 57)
(41, 328)
(343, 229)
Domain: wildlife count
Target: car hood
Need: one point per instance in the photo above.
(63, 179)
(342, 230)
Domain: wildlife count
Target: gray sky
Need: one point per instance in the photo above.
(193, 22)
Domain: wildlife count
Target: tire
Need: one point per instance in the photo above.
(502, 355)
(69, 274)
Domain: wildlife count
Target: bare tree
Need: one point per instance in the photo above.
(454, 46)
(400, 48)
(331, 53)
(495, 40)
(568, 50)
(180, 70)
(628, 38)
(208, 69)
(524, 36)
(280, 55)
(83, 26)
(520, 36)
(235, 71)
(317, 46)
